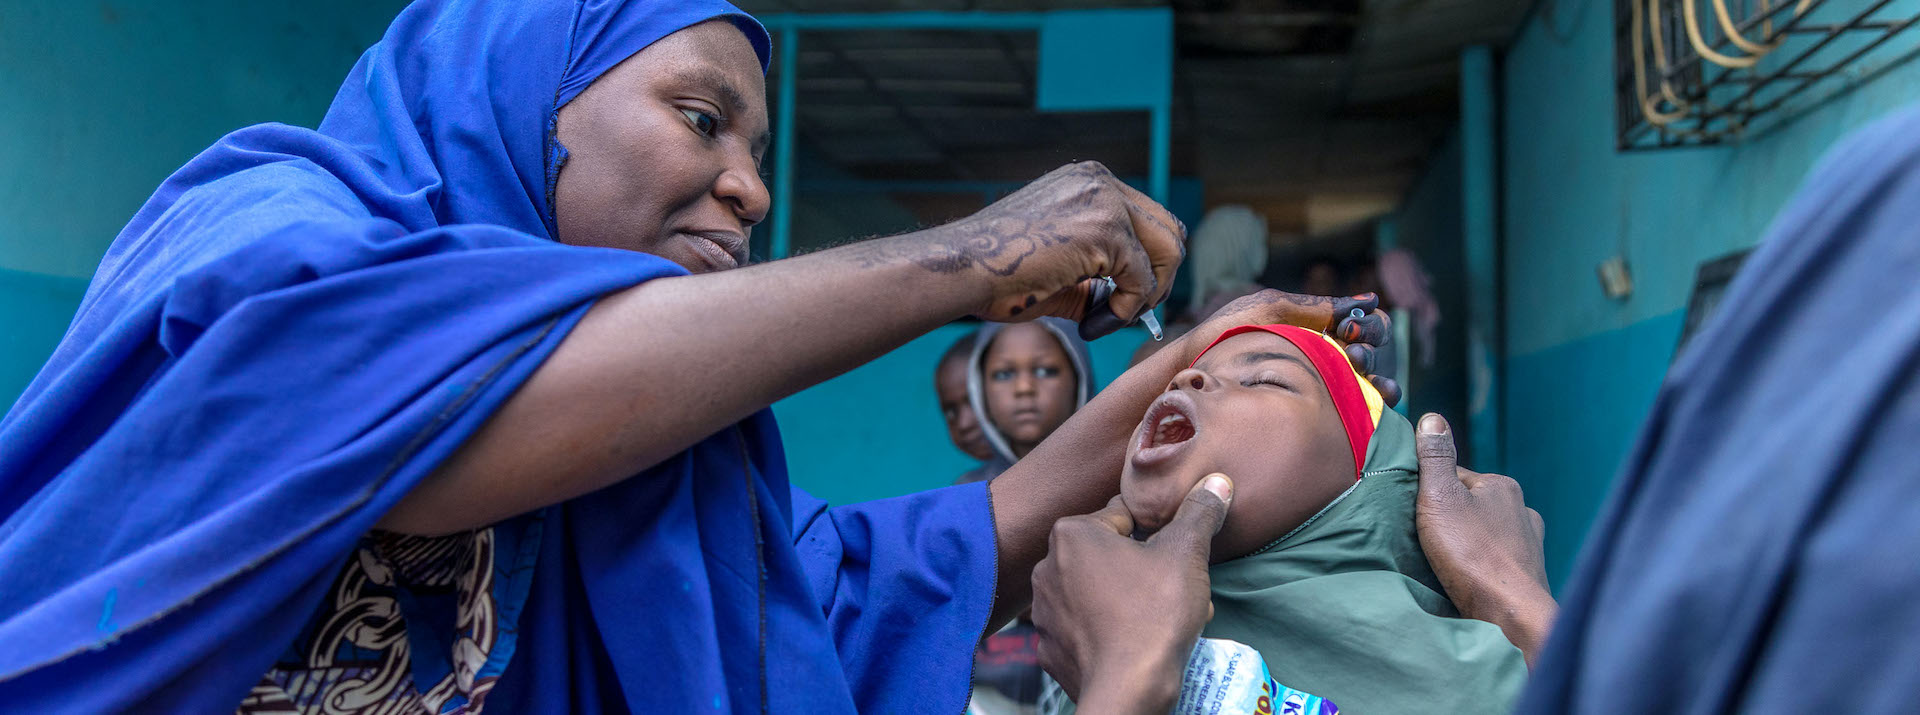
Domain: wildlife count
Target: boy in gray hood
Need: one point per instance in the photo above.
(1024, 380)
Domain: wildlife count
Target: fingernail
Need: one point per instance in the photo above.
(1220, 485)
(1433, 424)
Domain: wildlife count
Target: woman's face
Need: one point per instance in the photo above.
(1031, 387)
(665, 149)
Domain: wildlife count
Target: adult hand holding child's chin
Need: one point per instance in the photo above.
(1117, 616)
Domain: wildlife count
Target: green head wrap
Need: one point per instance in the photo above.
(1346, 607)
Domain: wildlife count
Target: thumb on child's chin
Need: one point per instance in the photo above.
(1200, 516)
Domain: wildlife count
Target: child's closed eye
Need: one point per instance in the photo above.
(1268, 380)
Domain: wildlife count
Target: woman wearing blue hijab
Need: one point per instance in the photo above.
(423, 411)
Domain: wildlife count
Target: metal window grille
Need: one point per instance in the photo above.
(1697, 72)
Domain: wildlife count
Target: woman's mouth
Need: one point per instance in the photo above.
(1167, 429)
(722, 250)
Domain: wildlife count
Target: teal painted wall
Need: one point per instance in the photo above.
(100, 101)
(35, 309)
(1580, 369)
(1429, 223)
(1574, 411)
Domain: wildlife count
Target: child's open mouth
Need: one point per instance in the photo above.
(1166, 430)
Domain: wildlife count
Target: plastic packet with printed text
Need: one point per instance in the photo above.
(1225, 677)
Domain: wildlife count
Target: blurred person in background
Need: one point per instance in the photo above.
(950, 387)
(1226, 255)
(1323, 273)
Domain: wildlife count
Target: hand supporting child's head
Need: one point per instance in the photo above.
(1354, 320)
(1255, 408)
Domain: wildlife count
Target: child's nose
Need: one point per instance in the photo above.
(1190, 379)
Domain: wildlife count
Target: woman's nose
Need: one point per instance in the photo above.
(741, 189)
(1190, 379)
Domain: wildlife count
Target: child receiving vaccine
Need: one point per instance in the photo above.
(1317, 569)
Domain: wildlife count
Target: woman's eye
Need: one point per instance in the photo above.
(703, 122)
(1267, 381)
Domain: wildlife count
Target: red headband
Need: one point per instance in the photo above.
(1343, 385)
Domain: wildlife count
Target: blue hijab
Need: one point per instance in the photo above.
(300, 325)
(1758, 553)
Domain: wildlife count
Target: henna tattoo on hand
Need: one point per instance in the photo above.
(998, 240)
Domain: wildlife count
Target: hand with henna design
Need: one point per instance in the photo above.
(1040, 248)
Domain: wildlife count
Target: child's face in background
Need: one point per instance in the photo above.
(1030, 385)
(950, 382)
(1254, 409)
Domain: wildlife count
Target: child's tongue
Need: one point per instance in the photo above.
(1174, 427)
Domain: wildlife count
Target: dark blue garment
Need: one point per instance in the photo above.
(1758, 553)
(300, 325)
